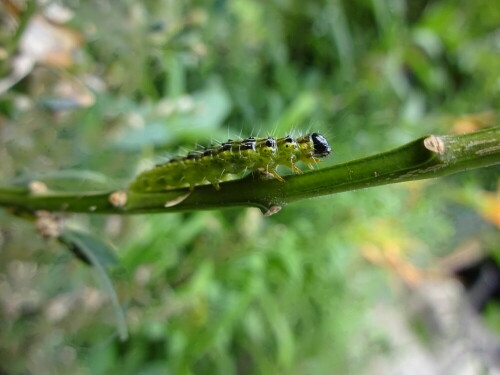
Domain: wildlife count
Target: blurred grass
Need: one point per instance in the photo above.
(233, 292)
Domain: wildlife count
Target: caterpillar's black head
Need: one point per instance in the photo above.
(321, 146)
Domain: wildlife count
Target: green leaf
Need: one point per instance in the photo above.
(99, 254)
(81, 243)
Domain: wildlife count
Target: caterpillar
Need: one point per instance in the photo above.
(217, 163)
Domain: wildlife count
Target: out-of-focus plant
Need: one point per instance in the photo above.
(231, 291)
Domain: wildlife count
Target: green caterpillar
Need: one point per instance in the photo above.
(217, 163)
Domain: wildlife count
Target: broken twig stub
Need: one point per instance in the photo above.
(118, 198)
(435, 144)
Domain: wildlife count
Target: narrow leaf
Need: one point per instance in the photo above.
(98, 254)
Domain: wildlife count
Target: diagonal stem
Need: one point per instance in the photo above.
(426, 157)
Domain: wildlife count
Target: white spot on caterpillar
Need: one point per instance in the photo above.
(118, 198)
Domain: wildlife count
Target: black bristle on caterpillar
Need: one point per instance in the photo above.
(217, 163)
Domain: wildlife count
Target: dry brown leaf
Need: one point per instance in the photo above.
(473, 122)
(49, 43)
(489, 207)
(43, 42)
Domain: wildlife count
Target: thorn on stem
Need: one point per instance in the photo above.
(37, 187)
(272, 210)
(179, 199)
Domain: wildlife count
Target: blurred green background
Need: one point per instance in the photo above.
(112, 87)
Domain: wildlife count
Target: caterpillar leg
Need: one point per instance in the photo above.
(313, 160)
(215, 184)
(295, 168)
(270, 174)
(275, 174)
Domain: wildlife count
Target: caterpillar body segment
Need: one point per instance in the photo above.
(218, 163)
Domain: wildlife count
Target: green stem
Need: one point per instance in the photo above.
(426, 157)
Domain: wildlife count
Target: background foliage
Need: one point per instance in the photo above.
(231, 291)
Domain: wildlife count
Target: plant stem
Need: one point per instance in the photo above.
(426, 157)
